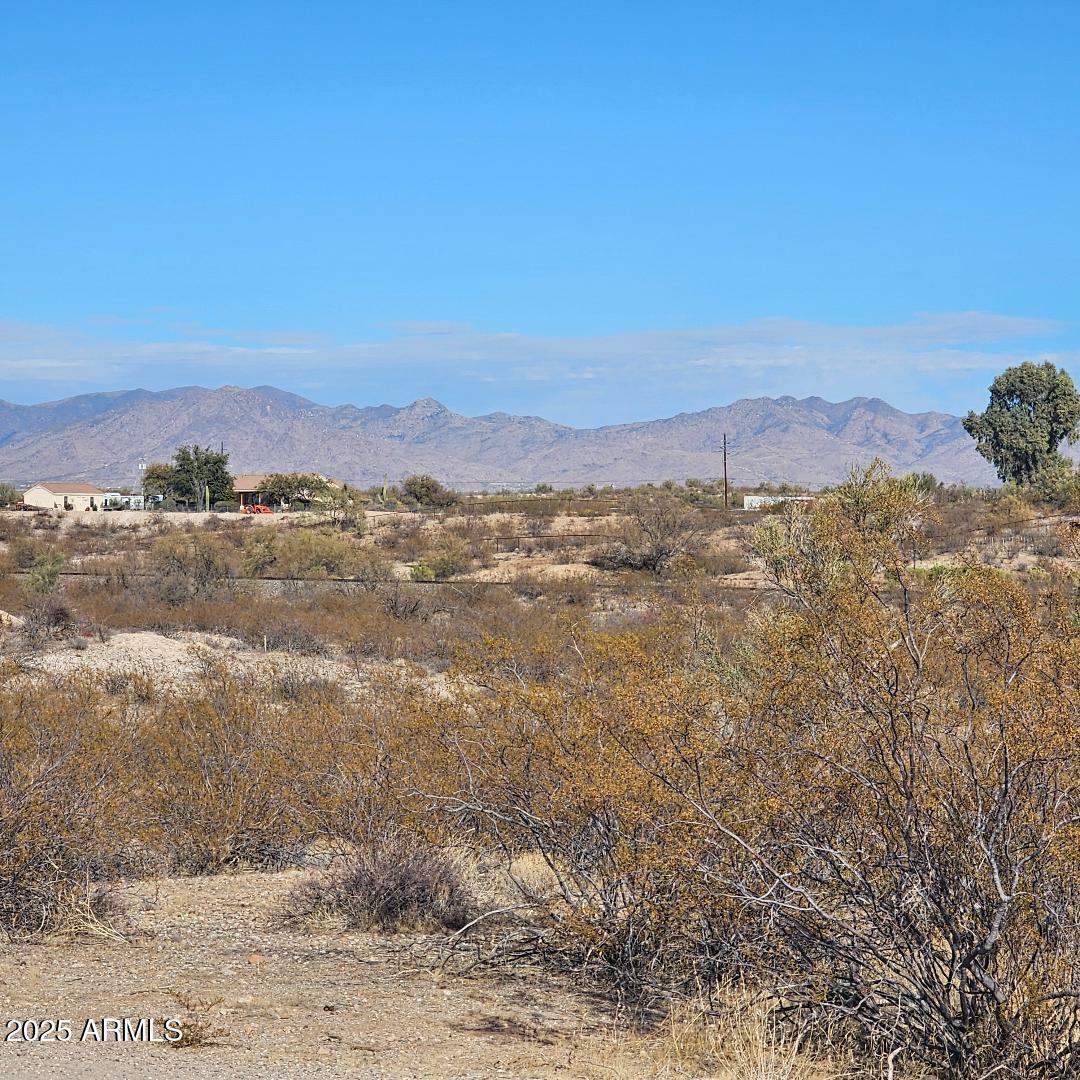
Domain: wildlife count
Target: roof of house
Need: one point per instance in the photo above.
(249, 481)
(62, 487)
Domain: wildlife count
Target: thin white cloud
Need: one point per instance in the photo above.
(762, 349)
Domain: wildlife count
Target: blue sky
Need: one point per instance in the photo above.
(592, 211)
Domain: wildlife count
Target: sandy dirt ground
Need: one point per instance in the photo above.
(286, 1003)
(176, 660)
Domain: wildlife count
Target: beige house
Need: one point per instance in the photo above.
(61, 495)
(250, 487)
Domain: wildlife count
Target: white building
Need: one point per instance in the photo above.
(63, 495)
(114, 500)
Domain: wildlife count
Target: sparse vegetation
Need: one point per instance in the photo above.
(837, 784)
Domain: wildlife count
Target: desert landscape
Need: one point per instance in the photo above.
(539, 541)
(245, 788)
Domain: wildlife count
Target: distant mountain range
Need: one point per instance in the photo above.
(103, 438)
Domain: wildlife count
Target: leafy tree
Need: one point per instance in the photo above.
(295, 487)
(1033, 409)
(9, 495)
(159, 479)
(198, 470)
(428, 493)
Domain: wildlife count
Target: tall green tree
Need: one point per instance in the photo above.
(1033, 409)
(200, 472)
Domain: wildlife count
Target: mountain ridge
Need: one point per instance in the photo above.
(103, 437)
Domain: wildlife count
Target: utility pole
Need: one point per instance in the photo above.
(726, 502)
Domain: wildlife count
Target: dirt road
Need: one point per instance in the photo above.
(280, 1003)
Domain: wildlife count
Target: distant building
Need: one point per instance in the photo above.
(61, 495)
(250, 488)
(115, 500)
(759, 502)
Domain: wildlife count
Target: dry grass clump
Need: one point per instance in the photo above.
(398, 883)
(732, 1041)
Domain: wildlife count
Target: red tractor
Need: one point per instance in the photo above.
(255, 508)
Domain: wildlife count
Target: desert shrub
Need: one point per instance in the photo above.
(371, 569)
(657, 528)
(213, 791)
(863, 804)
(448, 556)
(44, 573)
(47, 616)
(421, 572)
(400, 604)
(288, 635)
(299, 553)
(538, 524)
(260, 552)
(399, 883)
(528, 586)
(292, 685)
(407, 539)
(61, 768)
(345, 509)
(1058, 483)
(186, 566)
(314, 553)
(725, 562)
(24, 550)
(45, 521)
(137, 685)
(427, 493)
(13, 527)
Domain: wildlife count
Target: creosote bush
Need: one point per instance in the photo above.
(61, 808)
(658, 527)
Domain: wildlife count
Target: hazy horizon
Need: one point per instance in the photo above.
(405, 404)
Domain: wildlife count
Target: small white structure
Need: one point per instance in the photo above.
(759, 502)
(63, 495)
(115, 500)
